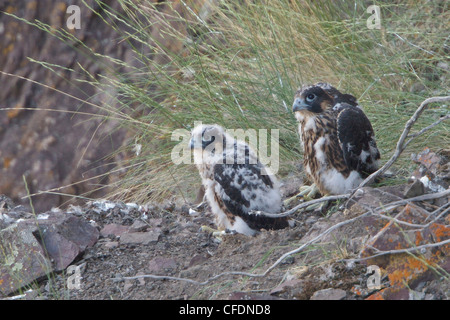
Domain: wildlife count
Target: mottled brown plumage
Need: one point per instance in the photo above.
(338, 142)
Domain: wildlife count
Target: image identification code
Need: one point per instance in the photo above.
(229, 309)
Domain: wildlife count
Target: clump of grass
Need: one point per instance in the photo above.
(239, 64)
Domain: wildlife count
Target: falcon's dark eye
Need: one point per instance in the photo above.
(310, 97)
(208, 138)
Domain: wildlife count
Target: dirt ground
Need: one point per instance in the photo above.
(176, 246)
(168, 243)
(180, 248)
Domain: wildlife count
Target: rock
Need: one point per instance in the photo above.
(428, 159)
(406, 271)
(138, 238)
(286, 285)
(415, 189)
(390, 294)
(161, 264)
(198, 259)
(35, 247)
(155, 222)
(62, 250)
(64, 237)
(111, 244)
(415, 295)
(22, 258)
(329, 294)
(393, 236)
(138, 226)
(114, 229)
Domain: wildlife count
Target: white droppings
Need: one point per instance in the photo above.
(434, 187)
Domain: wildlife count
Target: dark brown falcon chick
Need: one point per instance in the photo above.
(339, 148)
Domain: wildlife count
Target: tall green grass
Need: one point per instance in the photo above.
(238, 64)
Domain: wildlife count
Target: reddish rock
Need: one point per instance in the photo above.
(141, 238)
(32, 248)
(329, 294)
(138, 226)
(405, 270)
(64, 237)
(114, 229)
(199, 259)
(161, 264)
(428, 159)
(22, 258)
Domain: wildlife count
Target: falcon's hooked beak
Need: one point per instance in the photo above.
(300, 104)
(192, 143)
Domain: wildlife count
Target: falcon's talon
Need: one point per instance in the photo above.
(306, 193)
(210, 230)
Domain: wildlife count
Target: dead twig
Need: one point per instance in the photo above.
(301, 206)
(253, 275)
(377, 212)
(398, 251)
(401, 144)
(387, 207)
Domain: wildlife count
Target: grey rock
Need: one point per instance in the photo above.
(33, 248)
(138, 226)
(114, 229)
(415, 189)
(138, 238)
(111, 244)
(416, 295)
(22, 259)
(329, 294)
(160, 264)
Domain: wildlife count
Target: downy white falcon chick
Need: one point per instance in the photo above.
(236, 183)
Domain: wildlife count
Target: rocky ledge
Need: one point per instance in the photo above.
(377, 245)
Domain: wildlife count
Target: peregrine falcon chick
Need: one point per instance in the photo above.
(236, 183)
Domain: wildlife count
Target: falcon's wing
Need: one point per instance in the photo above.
(245, 188)
(357, 139)
(235, 179)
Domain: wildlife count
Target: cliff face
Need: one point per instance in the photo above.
(51, 149)
(46, 136)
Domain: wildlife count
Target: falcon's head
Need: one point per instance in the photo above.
(313, 99)
(207, 136)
